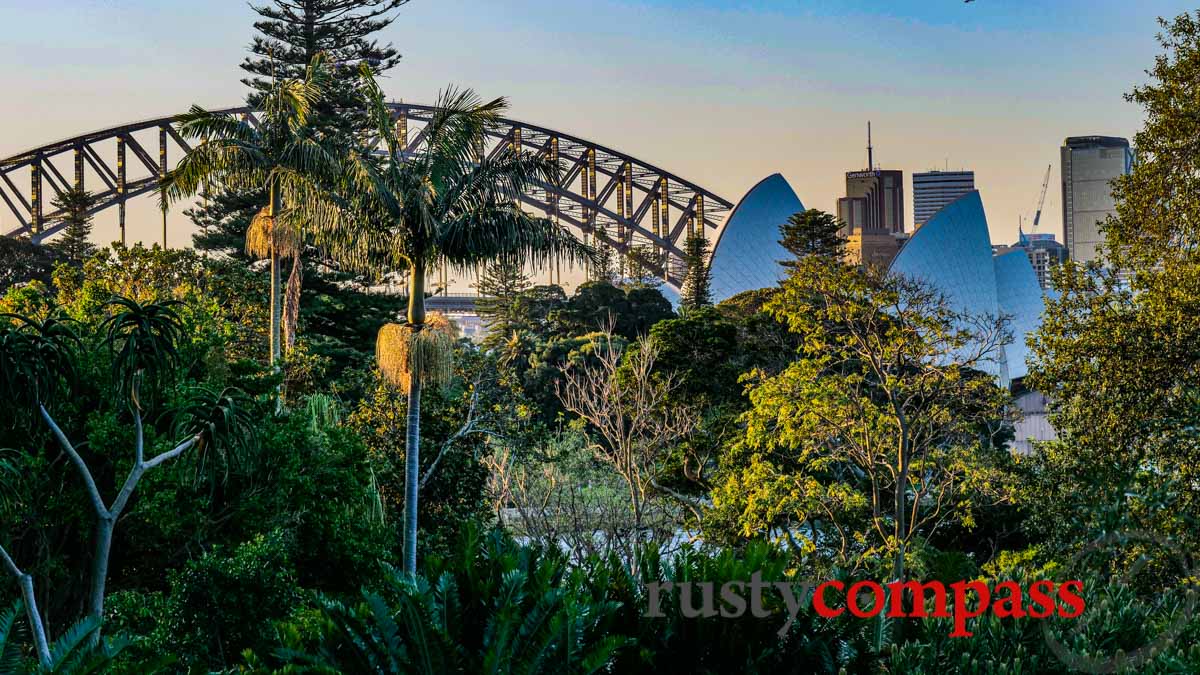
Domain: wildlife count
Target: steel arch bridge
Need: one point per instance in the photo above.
(608, 197)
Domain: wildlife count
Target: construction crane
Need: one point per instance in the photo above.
(1041, 201)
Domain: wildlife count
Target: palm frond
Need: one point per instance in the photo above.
(291, 301)
(231, 161)
(506, 230)
(68, 647)
(13, 634)
(200, 124)
(377, 111)
(452, 136)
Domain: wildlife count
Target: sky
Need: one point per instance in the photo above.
(722, 93)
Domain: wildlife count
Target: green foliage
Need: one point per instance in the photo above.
(701, 350)
(12, 635)
(35, 356)
(225, 600)
(764, 341)
(600, 306)
(812, 232)
(884, 406)
(501, 283)
(1121, 631)
(546, 365)
(845, 422)
(22, 262)
(604, 268)
(290, 34)
(73, 242)
(143, 339)
(1118, 352)
(223, 420)
(73, 653)
(454, 494)
(720, 644)
(489, 606)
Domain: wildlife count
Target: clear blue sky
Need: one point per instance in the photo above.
(721, 92)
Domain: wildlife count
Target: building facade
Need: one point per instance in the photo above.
(874, 201)
(1044, 253)
(872, 213)
(1089, 165)
(933, 190)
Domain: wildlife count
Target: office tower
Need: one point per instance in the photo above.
(872, 212)
(935, 189)
(1089, 164)
(874, 201)
(1044, 253)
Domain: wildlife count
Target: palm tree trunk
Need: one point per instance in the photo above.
(412, 469)
(276, 304)
(412, 436)
(276, 312)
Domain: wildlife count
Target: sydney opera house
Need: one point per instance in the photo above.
(747, 253)
(952, 251)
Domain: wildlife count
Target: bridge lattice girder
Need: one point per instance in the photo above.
(608, 197)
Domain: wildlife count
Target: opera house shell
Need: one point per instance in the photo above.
(952, 252)
(747, 253)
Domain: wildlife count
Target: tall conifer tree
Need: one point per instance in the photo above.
(811, 232)
(697, 286)
(74, 243)
(500, 284)
(290, 34)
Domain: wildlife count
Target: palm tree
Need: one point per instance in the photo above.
(285, 154)
(446, 206)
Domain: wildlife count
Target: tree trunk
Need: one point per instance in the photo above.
(901, 514)
(276, 303)
(412, 436)
(637, 529)
(412, 468)
(104, 536)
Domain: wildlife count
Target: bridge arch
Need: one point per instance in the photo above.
(609, 197)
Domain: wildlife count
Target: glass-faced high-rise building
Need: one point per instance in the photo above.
(1089, 165)
(933, 190)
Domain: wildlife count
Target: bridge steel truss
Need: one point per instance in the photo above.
(609, 198)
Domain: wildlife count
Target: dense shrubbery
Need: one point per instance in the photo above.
(595, 446)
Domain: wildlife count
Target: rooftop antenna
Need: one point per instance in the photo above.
(870, 150)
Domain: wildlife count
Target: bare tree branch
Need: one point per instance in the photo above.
(89, 482)
(25, 581)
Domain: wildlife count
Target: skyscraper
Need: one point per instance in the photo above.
(935, 189)
(1043, 251)
(1089, 164)
(872, 212)
(874, 201)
